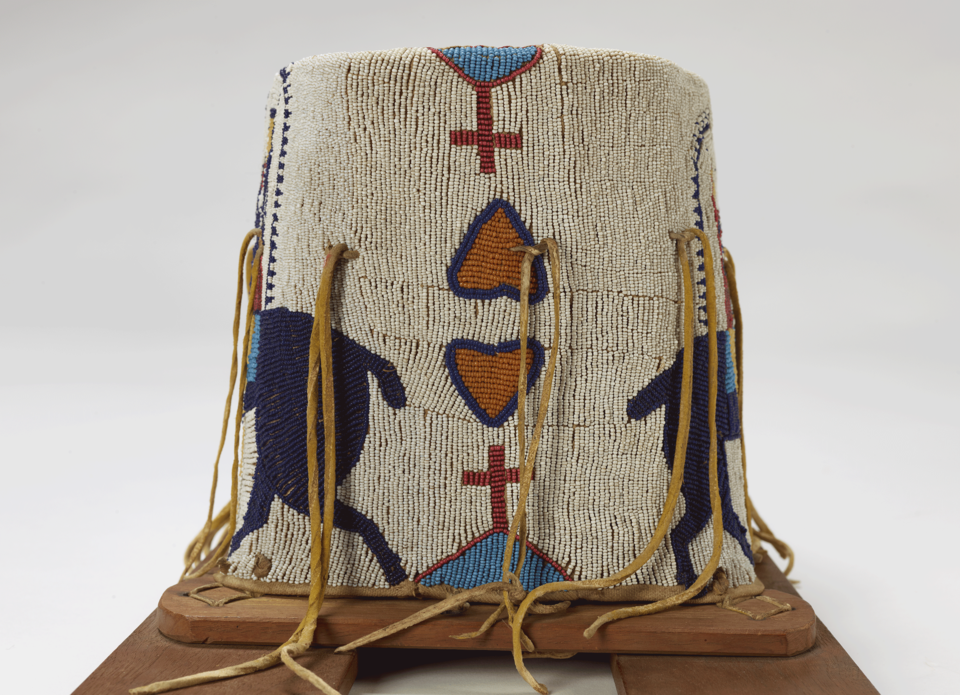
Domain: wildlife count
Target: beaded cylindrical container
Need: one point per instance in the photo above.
(434, 164)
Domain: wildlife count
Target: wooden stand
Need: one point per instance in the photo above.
(270, 620)
(637, 646)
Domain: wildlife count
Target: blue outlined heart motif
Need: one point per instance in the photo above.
(496, 260)
(483, 378)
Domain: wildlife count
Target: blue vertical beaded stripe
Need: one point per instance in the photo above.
(250, 389)
(487, 64)
(254, 349)
(278, 191)
(727, 356)
(261, 213)
(700, 136)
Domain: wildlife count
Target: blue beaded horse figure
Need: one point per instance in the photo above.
(278, 391)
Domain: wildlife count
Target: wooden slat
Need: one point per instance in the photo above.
(147, 656)
(685, 630)
(826, 668)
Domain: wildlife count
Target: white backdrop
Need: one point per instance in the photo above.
(131, 142)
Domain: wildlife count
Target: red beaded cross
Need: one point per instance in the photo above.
(496, 477)
(483, 138)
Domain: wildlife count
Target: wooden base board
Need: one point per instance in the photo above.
(704, 630)
(147, 656)
(826, 669)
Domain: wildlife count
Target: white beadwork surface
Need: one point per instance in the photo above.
(613, 146)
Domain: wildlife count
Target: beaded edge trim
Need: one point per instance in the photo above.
(409, 589)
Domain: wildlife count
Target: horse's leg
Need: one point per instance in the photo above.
(349, 519)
